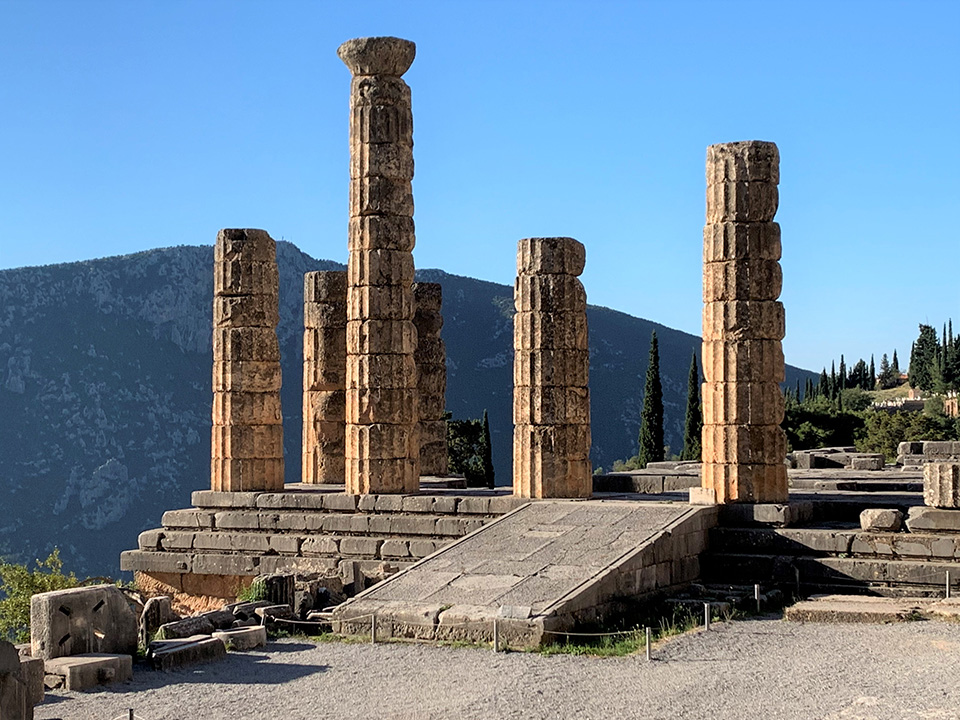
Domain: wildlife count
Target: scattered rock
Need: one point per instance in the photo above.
(881, 520)
(242, 639)
(187, 627)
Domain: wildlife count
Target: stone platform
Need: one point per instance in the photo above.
(205, 554)
(551, 565)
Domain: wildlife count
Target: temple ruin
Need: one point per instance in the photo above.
(431, 359)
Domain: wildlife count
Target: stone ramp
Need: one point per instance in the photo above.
(548, 566)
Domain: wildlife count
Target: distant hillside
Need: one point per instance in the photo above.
(105, 389)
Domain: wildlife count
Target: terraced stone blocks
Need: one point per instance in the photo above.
(382, 447)
(941, 484)
(324, 376)
(551, 399)
(247, 432)
(743, 326)
(431, 360)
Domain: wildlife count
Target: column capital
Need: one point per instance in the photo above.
(378, 55)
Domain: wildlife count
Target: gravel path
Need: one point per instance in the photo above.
(748, 669)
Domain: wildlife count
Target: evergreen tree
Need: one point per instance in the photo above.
(693, 422)
(651, 417)
(487, 452)
(823, 385)
(833, 380)
(842, 375)
(872, 380)
(924, 359)
(895, 364)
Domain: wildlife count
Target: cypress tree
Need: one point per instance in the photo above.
(895, 364)
(872, 380)
(823, 385)
(651, 417)
(924, 359)
(842, 375)
(693, 422)
(487, 452)
(833, 380)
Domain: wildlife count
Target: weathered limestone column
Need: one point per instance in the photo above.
(247, 438)
(551, 399)
(431, 358)
(743, 326)
(382, 440)
(324, 375)
(941, 484)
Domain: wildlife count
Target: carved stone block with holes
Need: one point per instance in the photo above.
(94, 619)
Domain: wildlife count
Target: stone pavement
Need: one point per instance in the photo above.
(543, 568)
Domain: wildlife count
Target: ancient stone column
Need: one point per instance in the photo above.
(324, 375)
(382, 443)
(551, 399)
(743, 326)
(247, 438)
(941, 484)
(431, 359)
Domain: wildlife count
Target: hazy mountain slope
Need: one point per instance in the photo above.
(105, 389)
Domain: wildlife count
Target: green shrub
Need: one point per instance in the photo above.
(18, 583)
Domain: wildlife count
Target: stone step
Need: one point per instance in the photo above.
(332, 499)
(192, 520)
(82, 672)
(800, 571)
(832, 541)
(860, 609)
(244, 564)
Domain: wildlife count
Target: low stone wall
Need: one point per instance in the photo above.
(919, 452)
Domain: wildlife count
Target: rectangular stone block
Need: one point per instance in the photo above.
(941, 484)
(544, 475)
(380, 196)
(567, 442)
(325, 376)
(172, 654)
(374, 121)
(746, 483)
(748, 444)
(743, 361)
(743, 320)
(380, 267)
(245, 277)
(245, 311)
(366, 476)
(247, 441)
(381, 441)
(87, 671)
(360, 546)
(247, 376)
(433, 430)
(322, 316)
(246, 474)
(551, 405)
(320, 545)
(323, 466)
(381, 371)
(387, 232)
(245, 407)
(747, 161)
(434, 459)
(379, 302)
(246, 344)
(94, 619)
(742, 280)
(550, 331)
(552, 368)
(381, 405)
(741, 202)
(398, 337)
(395, 548)
(244, 244)
(867, 461)
(742, 403)
(549, 293)
(550, 256)
(431, 353)
(389, 160)
(325, 286)
(938, 448)
(729, 241)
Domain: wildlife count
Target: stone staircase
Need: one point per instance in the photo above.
(217, 546)
(835, 557)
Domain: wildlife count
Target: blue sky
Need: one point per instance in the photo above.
(134, 125)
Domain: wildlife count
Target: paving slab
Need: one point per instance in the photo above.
(173, 654)
(86, 671)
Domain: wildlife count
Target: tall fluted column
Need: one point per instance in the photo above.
(551, 399)
(431, 357)
(743, 326)
(324, 375)
(382, 439)
(247, 437)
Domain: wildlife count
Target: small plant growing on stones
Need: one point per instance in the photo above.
(253, 592)
(18, 583)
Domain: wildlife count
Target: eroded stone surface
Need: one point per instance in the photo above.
(941, 484)
(431, 359)
(81, 620)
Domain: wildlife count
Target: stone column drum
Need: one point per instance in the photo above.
(431, 358)
(941, 484)
(247, 437)
(551, 399)
(324, 376)
(743, 326)
(382, 439)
